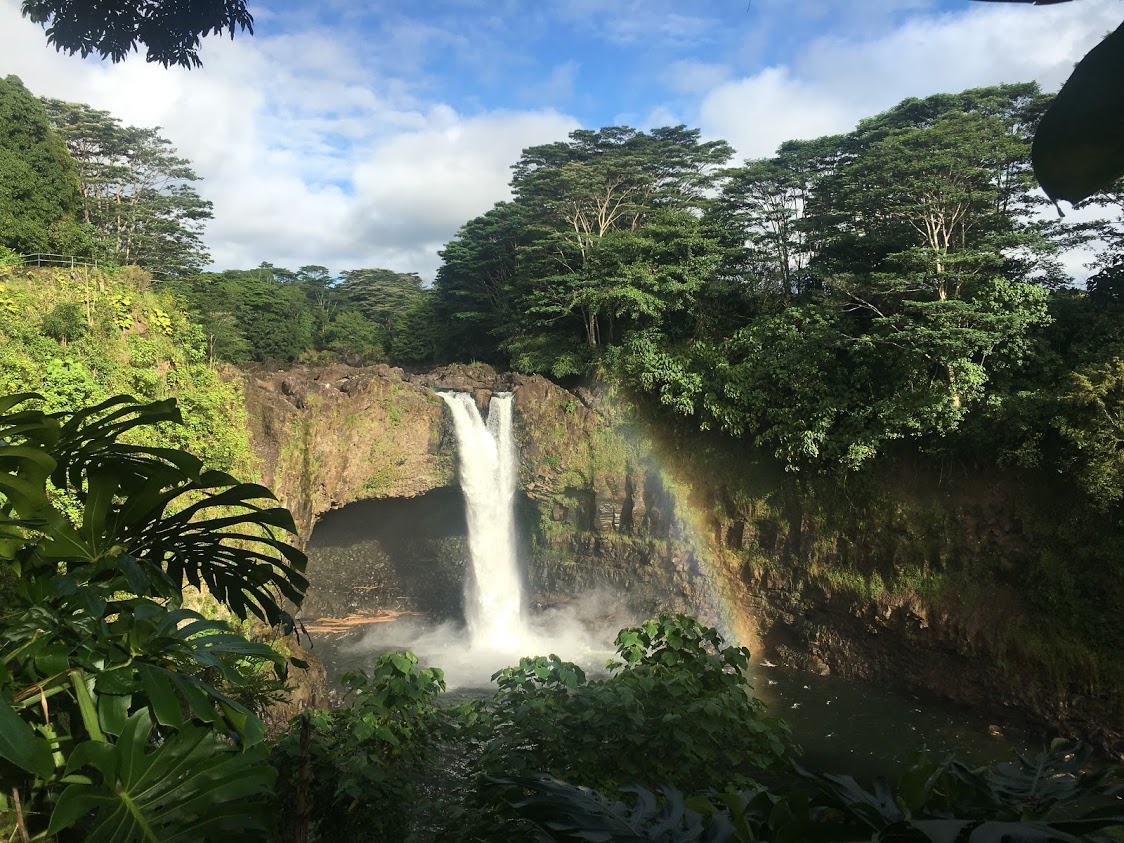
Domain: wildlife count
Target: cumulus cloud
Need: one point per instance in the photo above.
(307, 156)
(832, 82)
(422, 185)
(694, 77)
(629, 22)
(758, 113)
(558, 86)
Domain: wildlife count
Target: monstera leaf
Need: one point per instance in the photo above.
(157, 507)
(191, 787)
(20, 745)
(1079, 145)
(95, 646)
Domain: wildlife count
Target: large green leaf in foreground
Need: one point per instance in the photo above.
(1079, 145)
(191, 787)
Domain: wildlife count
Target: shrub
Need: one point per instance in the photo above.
(354, 768)
(676, 709)
(65, 322)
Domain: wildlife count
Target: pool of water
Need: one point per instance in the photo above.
(868, 730)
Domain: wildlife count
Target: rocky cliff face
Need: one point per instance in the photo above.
(688, 526)
(328, 436)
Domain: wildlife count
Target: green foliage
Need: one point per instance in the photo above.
(94, 642)
(417, 336)
(674, 687)
(848, 293)
(65, 322)
(116, 29)
(381, 295)
(603, 237)
(9, 258)
(136, 192)
(121, 337)
(270, 313)
(473, 288)
(39, 193)
(191, 786)
(571, 812)
(1032, 800)
(1091, 403)
(353, 337)
(355, 766)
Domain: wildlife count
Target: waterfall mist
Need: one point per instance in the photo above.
(500, 628)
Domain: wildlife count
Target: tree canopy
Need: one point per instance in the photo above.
(169, 30)
(852, 291)
(137, 193)
(39, 186)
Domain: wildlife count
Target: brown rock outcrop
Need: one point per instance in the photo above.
(327, 436)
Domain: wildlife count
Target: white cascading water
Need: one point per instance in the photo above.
(489, 474)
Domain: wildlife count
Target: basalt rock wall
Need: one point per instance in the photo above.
(328, 436)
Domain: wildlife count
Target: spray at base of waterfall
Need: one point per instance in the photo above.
(581, 631)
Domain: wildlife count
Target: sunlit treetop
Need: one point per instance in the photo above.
(170, 30)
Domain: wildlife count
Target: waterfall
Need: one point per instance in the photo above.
(488, 474)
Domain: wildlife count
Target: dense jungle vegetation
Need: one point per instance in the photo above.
(855, 302)
(126, 716)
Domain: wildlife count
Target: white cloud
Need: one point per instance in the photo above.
(558, 86)
(660, 116)
(833, 82)
(307, 157)
(631, 22)
(758, 113)
(421, 186)
(694, 77)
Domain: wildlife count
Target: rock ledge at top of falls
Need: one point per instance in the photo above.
(466, 377)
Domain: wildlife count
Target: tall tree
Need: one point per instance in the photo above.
(762, 213)
(383, 296)
(932, 192)
(39, 187)
(588, 203)
(136, 191)
(261, 313)
(474, 285)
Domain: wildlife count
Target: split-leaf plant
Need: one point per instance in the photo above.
(115, 721)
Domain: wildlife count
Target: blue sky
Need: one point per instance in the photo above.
(353, 134)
